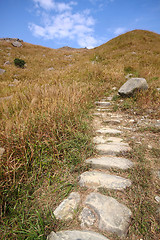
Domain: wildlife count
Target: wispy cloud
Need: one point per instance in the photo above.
(53, 5)
(63, 23)
(120, 30)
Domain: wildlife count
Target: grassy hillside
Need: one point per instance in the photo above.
(45, 122)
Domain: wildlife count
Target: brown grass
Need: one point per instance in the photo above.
(45, 124)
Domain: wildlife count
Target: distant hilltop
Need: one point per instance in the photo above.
(11, 39)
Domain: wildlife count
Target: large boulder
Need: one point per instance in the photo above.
(133, 84)
(17, 44)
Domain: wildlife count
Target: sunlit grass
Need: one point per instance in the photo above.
(45, 124)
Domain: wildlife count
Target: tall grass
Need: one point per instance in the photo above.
(45, 124)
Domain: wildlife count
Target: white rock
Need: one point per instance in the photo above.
(112, 121)
(114, 140)
(157, 198)
(97, 179)
(17, 44)
(99, 139)
(65, 210)
(76, 235)
(103, 104)
(109, 162)
(108, 130)
(113, 216)
(114, 88)
(113, 149)
(131, 85)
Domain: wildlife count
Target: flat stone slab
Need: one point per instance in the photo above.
(102, 103)
(115, 140)
(108, 130)
(109, 162)
(99, 139)
(112, 121)
(113, 216)
(103, 139)
(96, 179)
(76, 235)
(112, 148)
(65, 210)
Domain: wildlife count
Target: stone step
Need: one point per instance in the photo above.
(112, 121)
(97, 179)
(76, 235)
(103, 139)
(102, 103)
(113, 216)
(100, 109)
(65, 211)
(108, 130)
(112, 148)
(107, 162)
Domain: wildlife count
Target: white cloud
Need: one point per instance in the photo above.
(53, 5)
(46, 4)
(63, 23)
(120, 30)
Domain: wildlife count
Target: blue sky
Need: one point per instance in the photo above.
(76, 23)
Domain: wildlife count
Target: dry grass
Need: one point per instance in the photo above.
(45, 125)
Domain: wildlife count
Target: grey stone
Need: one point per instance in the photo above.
(76, 235)
(158, 89)
(109, 98)
(95, 179)
(87, 217)
(97, 114)
(157, 198)
(103, 104)
(2, 150)
(100, 109)
(7, 63)
(114, 88)
(65, 210)
(112, 148)
(115, 140)
(108, 130)
(51, 69)
(113, 216)
(129, 75)
(131, 85)
(17, 44)
(112, 121)
(99, 139)
(2, 71)
(109, 162)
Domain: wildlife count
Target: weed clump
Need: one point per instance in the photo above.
(19, 62)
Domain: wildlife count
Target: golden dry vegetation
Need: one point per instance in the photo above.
(45, 122)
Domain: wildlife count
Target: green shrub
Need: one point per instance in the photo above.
(19, 62)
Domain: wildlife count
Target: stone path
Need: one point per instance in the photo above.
(97, 210)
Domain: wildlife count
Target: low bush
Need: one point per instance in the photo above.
(19, 62)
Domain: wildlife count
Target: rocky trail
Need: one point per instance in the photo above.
(99, 214)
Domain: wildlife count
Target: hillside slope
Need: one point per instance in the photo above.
(45, 123)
